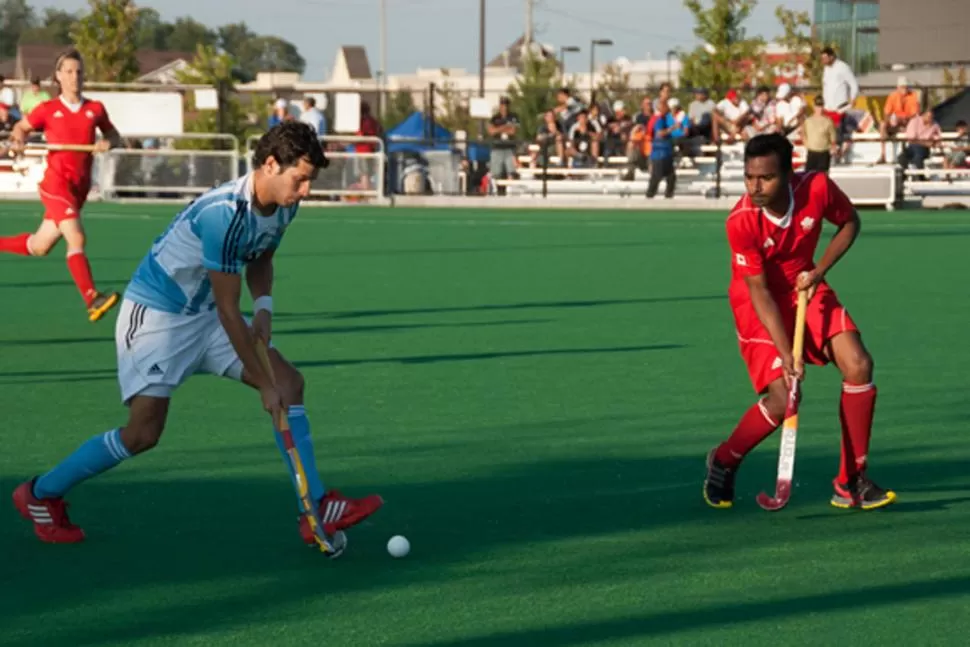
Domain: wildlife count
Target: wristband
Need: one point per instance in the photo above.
(263, 303)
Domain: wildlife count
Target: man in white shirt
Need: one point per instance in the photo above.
(732, 114)
(839, 91)
(789, 110)
(313, 117)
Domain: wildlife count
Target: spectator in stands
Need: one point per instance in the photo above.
(7, 96)
(839, 91)
(638, 144)
(7, 119)
(549, 135)
(503, 129)
(280, 113)
(583, 147)
(820, 139)
(789, 110)
(312, 116)
(762, 114)
(701, 115)
(901, 106)
(732, 115)
(922, 134)
(369, 127)
(665, 132)
(567, 108)
(956, 157)
(33, 97)
(617, 132)
(663, 94)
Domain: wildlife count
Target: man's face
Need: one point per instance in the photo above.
(292, 184)
(827, 60)
(562, 97)
(928, 117)
(763, 179)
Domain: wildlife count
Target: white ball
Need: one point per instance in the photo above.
(398, 546)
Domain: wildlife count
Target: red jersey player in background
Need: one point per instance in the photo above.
(68, 119)
(773, 233)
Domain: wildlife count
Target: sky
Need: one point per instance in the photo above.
(444, 33)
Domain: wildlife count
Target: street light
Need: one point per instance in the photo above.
(670, 54)
(562, 58)
(605, 42)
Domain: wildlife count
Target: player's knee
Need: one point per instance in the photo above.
(40, 246)
(146, 422)
(857, 366)
(75, 242)
(776, 400)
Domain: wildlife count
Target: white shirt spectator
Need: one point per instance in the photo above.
(733, 112)
(7, 96)
(315, 119)
(839, 86)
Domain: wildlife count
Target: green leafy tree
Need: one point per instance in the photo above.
(54, 28)
(803, 48)
(107, 38)
(153, 32)
(187, 34)
(534, 92)
(615, 85)
(16, 17)
(452, 108)
(398, 107)
(728, 57)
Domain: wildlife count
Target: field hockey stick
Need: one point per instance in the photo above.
(302, 488)
(76, 148)
(789, 430)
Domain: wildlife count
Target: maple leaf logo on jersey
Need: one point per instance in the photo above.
(58, 114)
(769, 242)
(740, 260)
(808, 223)
(89, 114)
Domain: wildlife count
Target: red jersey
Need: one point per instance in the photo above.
(782, 248)
(63, 123)
(369, 127)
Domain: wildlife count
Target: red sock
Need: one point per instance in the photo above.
(77, 263)
(855, 413)
(15, 244)
(755, 426)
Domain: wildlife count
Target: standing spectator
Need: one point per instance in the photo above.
(662, 166)
(820, 139)
(922, 133)
(901, 106)
(839, 91)
(280, 113)
(369, 127)
(701, 114)
(503, 129)
(663, 94)
(33, 97)
(638, 144)
(312, 116)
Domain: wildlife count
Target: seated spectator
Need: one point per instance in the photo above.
(566, 109)
(789, 110)
(549, 135)
(761, 116)
(33, 97)
(617, 132)
(701, 115)
(956, 157)
(7, 96)
(7, 119)
(901, 106)
(922, 133)
(583, 145)
(732, 114)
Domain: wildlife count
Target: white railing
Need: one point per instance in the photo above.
(351, 175)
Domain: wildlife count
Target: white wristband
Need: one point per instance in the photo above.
(263, 303)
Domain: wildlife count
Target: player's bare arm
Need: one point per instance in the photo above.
(836, 249)
(112, 139)
(226, 290)
(767, 310)
(18, 136)
(259, 279)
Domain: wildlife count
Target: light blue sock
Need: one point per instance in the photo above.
(97, 455)
(300, 430)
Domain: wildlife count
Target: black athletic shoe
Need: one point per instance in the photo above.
(860, 492)
(719, 484)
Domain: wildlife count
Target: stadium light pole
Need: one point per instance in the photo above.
(602, 42)
(670, 54)
(382, 77)
(562, 58)
(481, 61)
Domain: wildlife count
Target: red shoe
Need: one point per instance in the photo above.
(337, 512)
(51, 524)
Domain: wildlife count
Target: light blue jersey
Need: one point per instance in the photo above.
(219, 231)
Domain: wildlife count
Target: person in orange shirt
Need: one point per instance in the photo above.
(901, 106)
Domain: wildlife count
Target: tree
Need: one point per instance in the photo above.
(452, 109)
(533, 92)
(153, 32)
(399, 107)
(16, 17)
(107, 39)
(187, 34)
(728, 58)
(954, 82)
(804, 50)
(55, 28)
(216, 69)
(615, 85)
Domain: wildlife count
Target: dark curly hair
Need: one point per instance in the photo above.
(288, 143)
(771, 144)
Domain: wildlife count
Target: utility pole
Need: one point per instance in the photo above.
(529, 29)
(481, 61)
(382, 77)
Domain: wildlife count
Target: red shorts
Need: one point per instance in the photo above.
(824, 319)
(61, 200)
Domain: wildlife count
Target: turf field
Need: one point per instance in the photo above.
(533, 394)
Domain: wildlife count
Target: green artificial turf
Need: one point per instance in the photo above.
(533, 393)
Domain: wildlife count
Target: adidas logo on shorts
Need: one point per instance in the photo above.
(155, 370)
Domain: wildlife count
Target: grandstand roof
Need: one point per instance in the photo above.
(38, 60)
